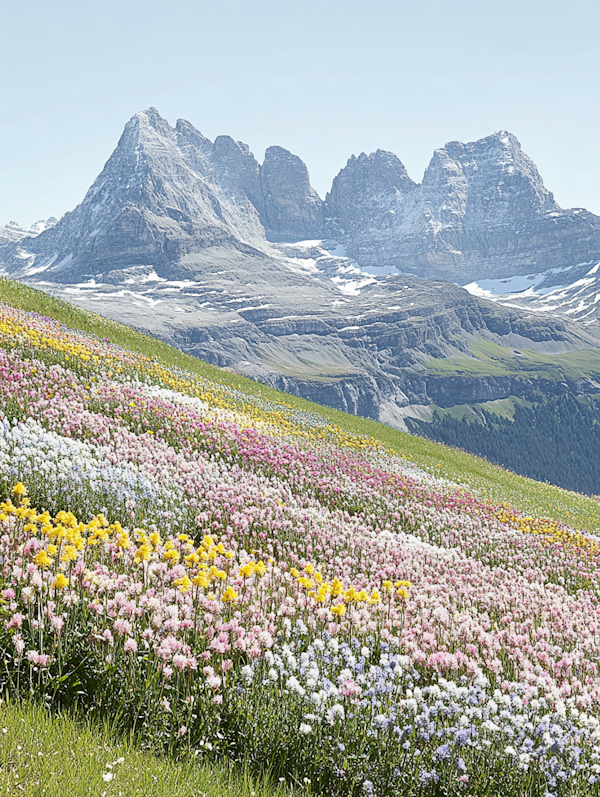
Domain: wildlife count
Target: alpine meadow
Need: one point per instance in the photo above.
(232, 580)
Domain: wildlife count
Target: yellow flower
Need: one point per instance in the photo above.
(229, 596)
(247, 570)
(322, 593)
(200, 581)
(69, 554)
(60, 582)
(214, 572)
(375, 597)
(171, 555)
(403, 593)
(260, 568)
(42, 559)
(183, 583)
(19, 489)
(338, 609)
(143, 553)
(351, 595)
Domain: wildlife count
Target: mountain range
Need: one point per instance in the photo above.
(354, 300)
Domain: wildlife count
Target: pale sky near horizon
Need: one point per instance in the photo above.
(323, 78)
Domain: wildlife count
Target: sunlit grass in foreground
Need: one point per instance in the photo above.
(44, 756)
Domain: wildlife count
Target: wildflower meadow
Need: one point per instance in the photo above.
(230, 576)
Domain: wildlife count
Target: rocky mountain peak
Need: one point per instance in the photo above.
(292, 209)
(236, 167)
(372, 174)
(366, 191)
(481, 209)
(188, 136)
(14, 232)
(493, 176)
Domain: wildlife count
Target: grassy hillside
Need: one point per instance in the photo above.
(216, 570)
(476, 474)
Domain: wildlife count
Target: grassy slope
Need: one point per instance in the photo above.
(59, 757)
(491, 359)
(475, 473)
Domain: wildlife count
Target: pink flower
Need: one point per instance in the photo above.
(130, 646)
(226, 665)
(214, 681)
(16, 621)
(57, 624)
(179, 661)
(122, 626)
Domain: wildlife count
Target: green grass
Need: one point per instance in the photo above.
(474, 473)
(44, 756)
(491, 359)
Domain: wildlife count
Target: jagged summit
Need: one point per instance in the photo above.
(292, 208)
(481, 211)
(169, 194)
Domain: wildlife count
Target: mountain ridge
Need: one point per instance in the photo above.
(481, 210)
(176, 237)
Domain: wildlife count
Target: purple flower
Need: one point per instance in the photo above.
(443, 752)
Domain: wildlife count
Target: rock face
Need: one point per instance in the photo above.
(366, 196)
(292, 210)
(482, 211)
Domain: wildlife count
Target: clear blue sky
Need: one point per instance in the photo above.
(323, 78)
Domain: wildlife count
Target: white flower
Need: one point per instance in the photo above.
(294, 685)
(335, 712)
(247, 673)
(510, 750)
(305, 729)
(107, 777)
